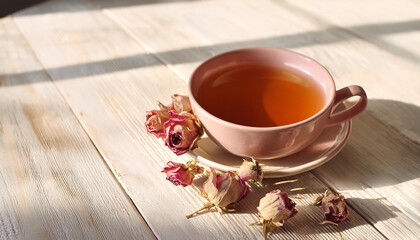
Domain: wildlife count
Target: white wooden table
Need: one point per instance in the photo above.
(76, 78)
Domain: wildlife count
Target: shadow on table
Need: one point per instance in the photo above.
(382, 150)
(329, 35)
(300, 221)
(200, 53)
(382, 158)
(9, 7)
(402, 117)
(379, 211)
(95, 3)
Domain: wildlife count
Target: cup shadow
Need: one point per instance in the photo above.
(383, 149)
(403, 117)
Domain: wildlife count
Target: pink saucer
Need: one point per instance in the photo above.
(325, 147)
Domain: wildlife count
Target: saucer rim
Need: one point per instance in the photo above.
(288, 171)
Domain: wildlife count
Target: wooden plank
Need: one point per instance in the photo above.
(117, 99)
(350, 59)
(53, 182)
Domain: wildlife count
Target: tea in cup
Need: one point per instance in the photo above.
(267, 103)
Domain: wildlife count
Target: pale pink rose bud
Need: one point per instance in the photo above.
(182, 131)
(334, 207)
(250, 171)
(155, 120)
(223, 192)
(180, 174)
(274, 209)
(180, 104)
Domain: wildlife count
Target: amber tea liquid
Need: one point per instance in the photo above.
(260, 96)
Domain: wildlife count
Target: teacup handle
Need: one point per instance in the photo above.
(349, 112)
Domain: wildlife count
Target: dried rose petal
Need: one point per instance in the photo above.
(182, 131)
(180, 174)
(223, 191)
(180, 104)
(155, 120)
(274, 209)
(250, 171)
(334, 207)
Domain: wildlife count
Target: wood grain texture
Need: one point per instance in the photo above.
(53, 182)
(379, 170)
(110, 81)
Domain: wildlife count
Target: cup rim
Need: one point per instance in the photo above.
(253, 128)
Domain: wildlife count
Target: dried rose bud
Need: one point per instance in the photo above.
(182, 131)
(180, 174)
(223, 191)
(250, 171)
(155, 120)
(274, 209)
(180, 104)
(334, 207)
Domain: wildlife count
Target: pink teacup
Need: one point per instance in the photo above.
(277, 141)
